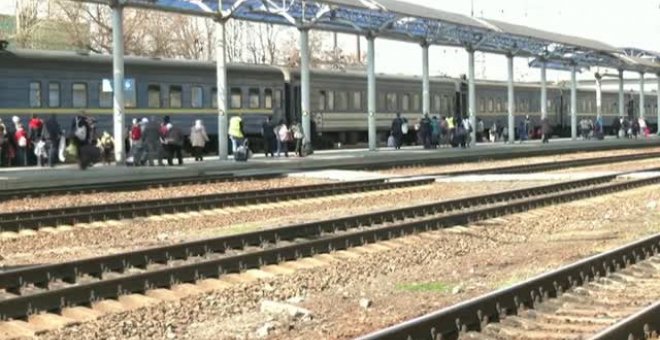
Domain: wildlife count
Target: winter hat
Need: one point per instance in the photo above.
(15, 119)
(135, 121)
(145, 120)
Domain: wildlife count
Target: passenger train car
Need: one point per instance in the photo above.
(69, 83)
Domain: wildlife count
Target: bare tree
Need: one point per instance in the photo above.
(27, 22)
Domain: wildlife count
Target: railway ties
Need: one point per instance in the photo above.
(56, 286)
(35, 219)
(613, 295)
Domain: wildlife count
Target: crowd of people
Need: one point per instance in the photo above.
(151, 142)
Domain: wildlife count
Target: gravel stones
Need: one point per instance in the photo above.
(274, 307)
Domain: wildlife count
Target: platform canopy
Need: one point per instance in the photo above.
(394, 19)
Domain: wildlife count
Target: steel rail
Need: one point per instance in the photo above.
(138, 184)
(201, 263)
(476, 313)
(547, 166)
(34, 219)
(640, 325)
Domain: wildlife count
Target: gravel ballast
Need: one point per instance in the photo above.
(401, 279)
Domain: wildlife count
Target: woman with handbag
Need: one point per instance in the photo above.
(297, 132)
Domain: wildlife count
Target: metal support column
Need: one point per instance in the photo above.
(511, 122)
(622, 99)
(221, 84)
(118, 81)
(544, 91)
(472, 96)
(371, 92)
(599, 95)
(426, 92)
(304, 84)
(642, 111)
(574, 102)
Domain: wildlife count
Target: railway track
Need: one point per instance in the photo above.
(129, 185)
(35, 219)
(574, 302)
(141, 184)
(55, 286)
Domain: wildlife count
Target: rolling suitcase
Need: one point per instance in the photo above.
(242, 152)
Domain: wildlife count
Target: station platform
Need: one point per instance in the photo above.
(34, 177)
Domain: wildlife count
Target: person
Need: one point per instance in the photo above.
(283, 138)
(269, 138)
(480, 130)
(174, 142)
(198, 140)
(3, 143)
(396, 131)
(435, 132)
(522, 131)
(135, 140)
(616, 126)
(81, 138)
(546, 129)
(106, 143)
(23, 143)
(467, 130)
(493, 132)
(643, 127)
(35, 128)
(52, 133)
(236, 133)
(298, 136)
(151, 140)
(164, 150)
(445, 134)
(425, 131)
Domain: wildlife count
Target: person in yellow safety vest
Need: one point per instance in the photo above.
(236, 133)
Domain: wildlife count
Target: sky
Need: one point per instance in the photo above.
(633, 23)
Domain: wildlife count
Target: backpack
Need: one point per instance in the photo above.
(136, 133)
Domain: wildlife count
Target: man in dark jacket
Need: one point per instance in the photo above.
(51, 134)
(174, 141)
(268, 135)
(425, 128)
(396, 131)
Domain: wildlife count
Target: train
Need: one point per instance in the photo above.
(36, 82)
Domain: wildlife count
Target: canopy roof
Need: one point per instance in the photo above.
(395, 19)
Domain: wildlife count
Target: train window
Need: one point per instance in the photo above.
(450, 105)
(214, 97)
(53, 94)
(357, 101)
(382, 106)
(130, 93)
(79, 94)
(322, 97)
(341, 100)
(236, 98)
(437, 103)
(330, 102)
(416, 105)
(482, 105)
(153, 96)
(391, 102)
(175, 96)
(268, 98)
(105, 97)
(490, 105)
(35, 94)
(405, 103)
(499, 105)
(277, 99)
(197, 97)
(253, 97)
